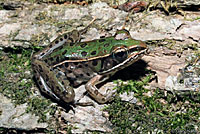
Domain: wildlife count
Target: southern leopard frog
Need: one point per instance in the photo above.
(67, 63)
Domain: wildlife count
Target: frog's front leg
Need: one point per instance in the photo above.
(53, 82)
(93, 90)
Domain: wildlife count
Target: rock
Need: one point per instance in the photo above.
(164, 65)
(88, 117)
(184, 32)
(7, 29)
(4, 15)
(16, 117)
(187, 79)
(128, 97)
(74, 13)
(154, 26)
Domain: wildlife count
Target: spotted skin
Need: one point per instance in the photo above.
(66, 63)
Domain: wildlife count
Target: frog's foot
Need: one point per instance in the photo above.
(45, 88)
(93, 91)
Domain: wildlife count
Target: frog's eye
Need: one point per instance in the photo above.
(120, 54)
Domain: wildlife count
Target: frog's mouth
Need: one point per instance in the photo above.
(134, 54)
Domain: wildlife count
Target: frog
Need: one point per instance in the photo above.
(67, 62)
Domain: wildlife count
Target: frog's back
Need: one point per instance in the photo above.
(83, 50)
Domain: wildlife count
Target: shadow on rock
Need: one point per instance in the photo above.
(133, 72)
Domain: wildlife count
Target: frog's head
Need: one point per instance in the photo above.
(124, 52)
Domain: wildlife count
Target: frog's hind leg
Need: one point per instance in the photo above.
(44, 88)
(93, 90)
(52, 82)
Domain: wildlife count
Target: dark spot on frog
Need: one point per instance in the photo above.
(63, 83)
(45, 60)
(44, 90)
(80, 66)
(65, 78)
(66, 58)
(56, 41)
(88, 74)
(50, 45)
(61, 39)
(93, 52)
(33, 65)
(76, 63)
(86, 65)
(83, 53)
(96, 92)
(57, 87)
(72, 80)
(94, 63)
(37, 78)
(61, 47)
(57, 59)
(81, 75)
(58, 75)
(66, 64)
(34, 72)
(64, 52)
(65, 92)
(42, 54)
(103, 99)
(70, 39)
(40, 83)
(102, 40)
(102, 36)
(69, 71)
(47, 78)
(40, 68)
(52, 86)
(71, 44)
(34, 58)
(61, 66)
(51, 59)
(83, 45)
(65, 36)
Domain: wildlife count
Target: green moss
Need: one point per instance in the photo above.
(16, 82)
(15, 78)
(40, 107)
(162, 112)
(132, 85)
